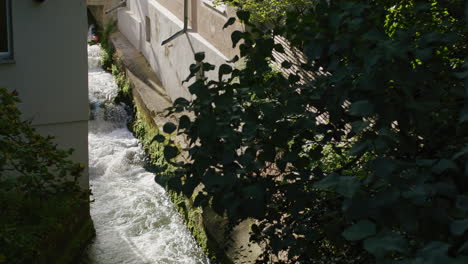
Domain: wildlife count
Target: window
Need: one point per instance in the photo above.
(148, 29)
(218, 7)
(6, 50)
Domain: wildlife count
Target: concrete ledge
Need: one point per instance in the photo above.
(146, 85)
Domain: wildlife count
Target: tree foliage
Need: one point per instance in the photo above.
(38, 187)
(29, 162)
(268, 11)
(384, 178)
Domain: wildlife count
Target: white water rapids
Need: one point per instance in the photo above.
(135, 221)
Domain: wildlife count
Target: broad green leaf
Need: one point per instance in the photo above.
(358, 148)
(344, 185)
(170, 152)
(462, 75)
(361, 108)
(181, 102)
(348, 186)
(424, 54)
(458, 260)
(233, 60)
(360, 230)
(462, 202)
(286, 64)
(236, 36)
(464, 114)
(443, 165)
(385, 242)
(243, 15)
(230, 21)
(418, 194)
(359, 126)
(458, 227)
(434, 249)
(461, 153)
(159, 138)
(224, 69)
(184, 122)
(384, 168)
(279, 48)
(328, 182)
(208, 67)
(169, 128)
(199, 56)
(463, 248)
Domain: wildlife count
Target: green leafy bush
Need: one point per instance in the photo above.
(268, 11)
(30, 163)
(38, 187)
(108, 49)
(384, 179)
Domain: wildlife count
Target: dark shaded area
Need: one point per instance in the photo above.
(91, 19)
(3, 26)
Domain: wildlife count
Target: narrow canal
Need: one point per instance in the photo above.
(135, 221)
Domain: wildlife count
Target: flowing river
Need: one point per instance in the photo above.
(135, 221)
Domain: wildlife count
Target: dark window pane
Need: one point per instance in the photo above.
(3, 26)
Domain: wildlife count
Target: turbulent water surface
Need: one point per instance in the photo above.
(134, 219)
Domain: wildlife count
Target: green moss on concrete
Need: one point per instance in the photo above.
(124, 94)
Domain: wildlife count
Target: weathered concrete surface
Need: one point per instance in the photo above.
(152, 99)
(147, 23)
(146, 85)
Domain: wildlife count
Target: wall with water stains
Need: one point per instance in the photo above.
(49, 70)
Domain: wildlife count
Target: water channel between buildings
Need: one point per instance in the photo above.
(135, 221)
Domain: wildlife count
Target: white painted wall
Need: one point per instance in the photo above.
(50, 70)
(171, 62)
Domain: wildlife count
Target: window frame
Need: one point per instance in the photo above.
(148, 29)
(7, 57)
(221, 8)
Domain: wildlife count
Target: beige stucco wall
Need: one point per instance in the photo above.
(50, 70)
(171, 62)
(210, 26)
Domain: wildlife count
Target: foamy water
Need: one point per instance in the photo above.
(135, 221)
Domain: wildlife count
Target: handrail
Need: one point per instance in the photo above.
(184, 30)
(121, 4)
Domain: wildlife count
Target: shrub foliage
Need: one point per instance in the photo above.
(30, 163)
(384, 178)
(38, 187)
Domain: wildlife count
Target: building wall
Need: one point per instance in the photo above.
(98, 9)
(165, 17)
(50, 70)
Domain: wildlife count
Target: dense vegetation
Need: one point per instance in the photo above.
(267, 11)
(365, 163)
(39, 194)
